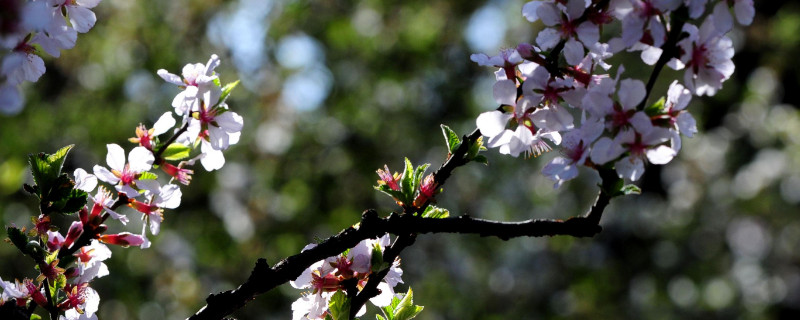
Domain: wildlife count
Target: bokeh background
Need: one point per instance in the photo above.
(332, 90)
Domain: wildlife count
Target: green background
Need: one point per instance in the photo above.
(333, 90)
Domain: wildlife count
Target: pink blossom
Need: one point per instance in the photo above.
(126, 174)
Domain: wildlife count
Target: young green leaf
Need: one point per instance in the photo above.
(339, 306)
(435, 212)
(407, 183)
(176, 151)
(629, 189)
(451, 138)
(406, 309)
(226, 91)
(418, 173)
(656, 108)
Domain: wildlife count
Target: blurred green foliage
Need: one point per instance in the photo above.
(333, 90)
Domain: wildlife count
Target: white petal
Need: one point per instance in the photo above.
(140, 159)
(660, 155)
(88, 3)
(651, 54)
(212, 63)
(164, 123)
(11, 100)
(573, 52)
(723, 20)
(744, 11)
(115, 157)
(385, 297)
(155, 223)
(170, 77)
(103, 174)
(588, 33)
(84, 181)
(641, 122)
(492, 123)
(152, 186)
(686, 124)
(630, 93)
(82, 19)
(500, 140)
(170, 196)
(604, 151)
(549, 14)
(230, 121)
(505, 92)
(529, 10)
(212, 159)
(630, 168)
(127, 190)
(547, 38)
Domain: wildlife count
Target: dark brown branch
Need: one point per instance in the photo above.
(263, 278)
(670, 50)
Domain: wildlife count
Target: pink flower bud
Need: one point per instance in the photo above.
(124, 239)
(75, 231)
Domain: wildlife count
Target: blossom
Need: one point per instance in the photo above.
(507, 60)
(168, 196)
(22, 64)
(55, 35)
(144, 137)
(197, 78)
(565, 25)
(81, 18)
(575, 151)
(102, 202)
(84, 180)
(81, 302)
(139, 160)
(528, 134)
(388, 179)
(743, 9)
(90, 261)
(647, 145)
(706, 54)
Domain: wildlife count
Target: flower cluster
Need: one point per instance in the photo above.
(69, 262)
(36, 26)
(325, 277)
(540, 98)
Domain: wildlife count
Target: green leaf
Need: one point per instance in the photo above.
(407, 183)
(435, 212)
(226, 91)
(176, 151)
(451, 138)
(656, 108)
(61, 281)
(35, 317)
(481, 159)
(378, 317)
(630, 189)
(18, 238)
(406, 309)
(147, 175)
(377, 262)
(339, 306)
(46, 168)
(475, 148)
(71, 203)
(418, 173)
(396, 194)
